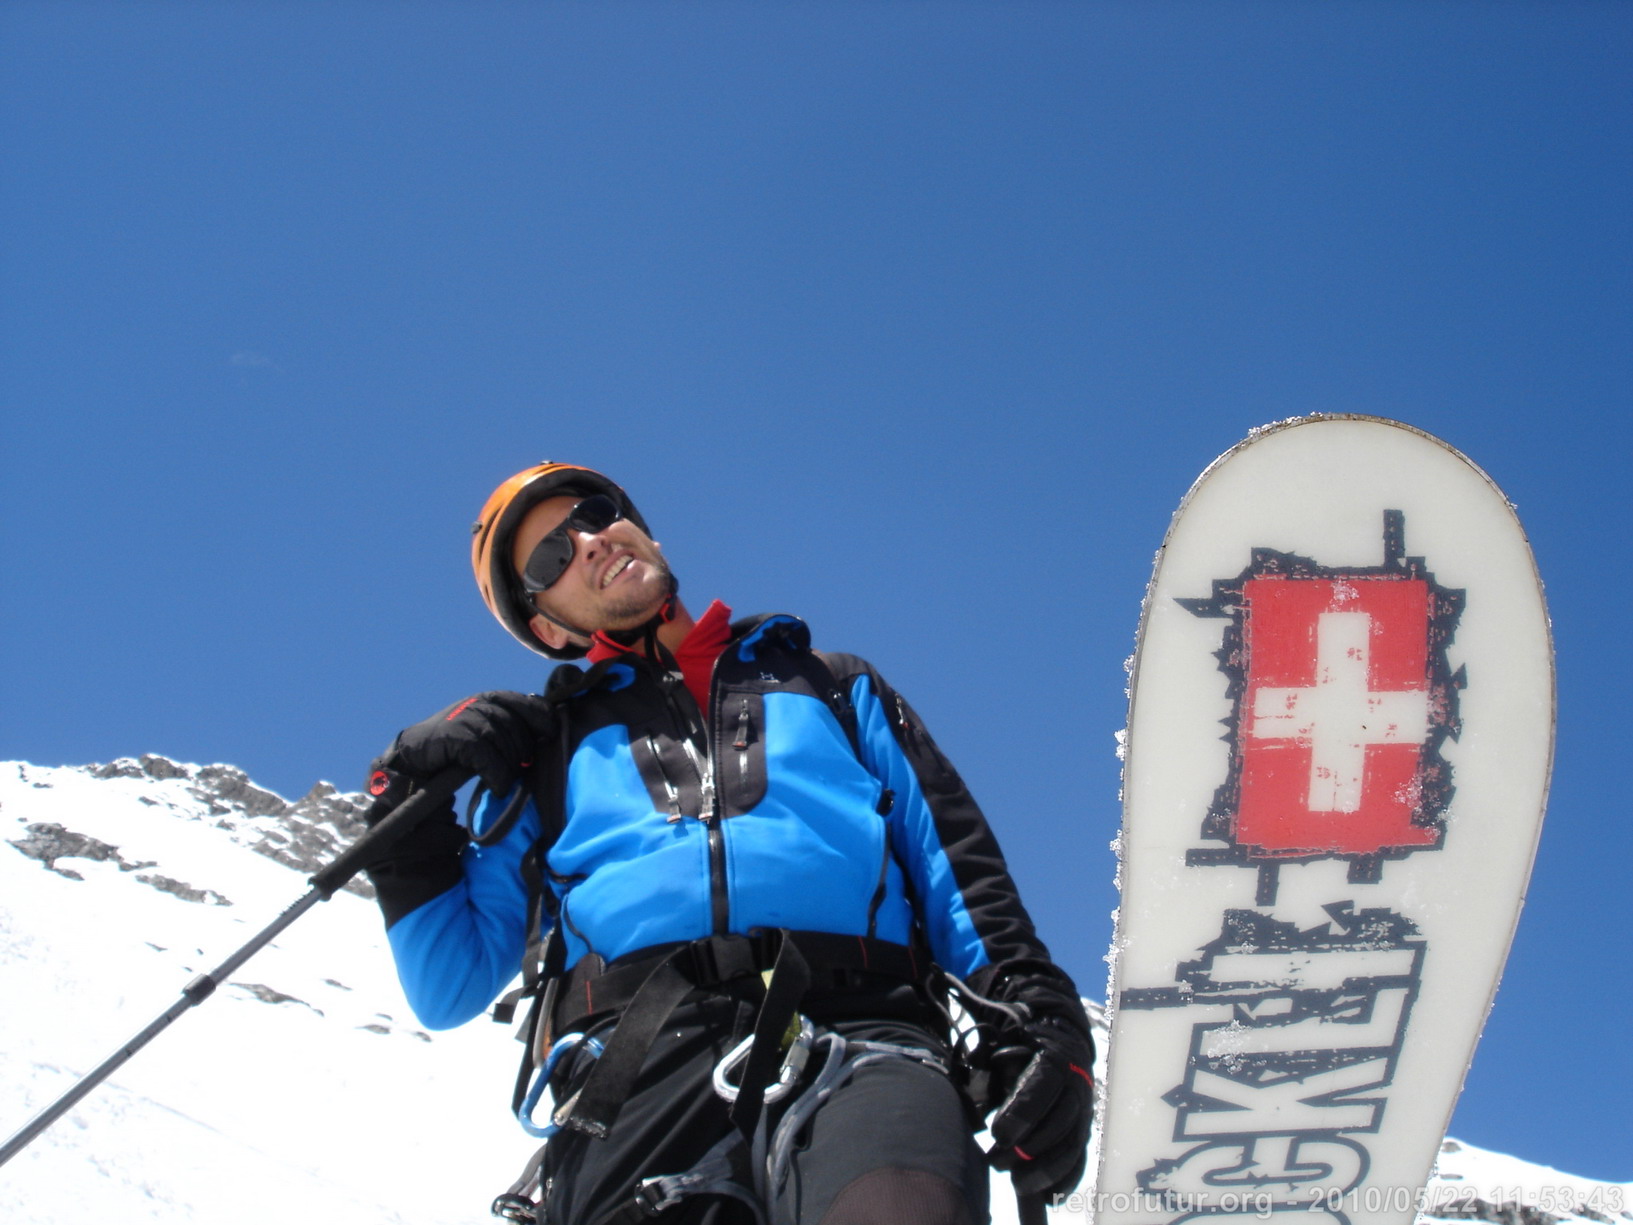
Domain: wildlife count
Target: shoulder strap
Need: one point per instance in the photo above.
(547, 778)
(839, 701)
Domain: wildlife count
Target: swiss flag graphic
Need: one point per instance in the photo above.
(1334, 716)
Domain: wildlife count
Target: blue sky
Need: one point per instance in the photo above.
(917, 320)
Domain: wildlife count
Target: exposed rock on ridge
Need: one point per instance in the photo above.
(305, 835)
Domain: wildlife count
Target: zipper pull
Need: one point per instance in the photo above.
(741, 743)
(705, 779)
(669, 791)
(903, 722)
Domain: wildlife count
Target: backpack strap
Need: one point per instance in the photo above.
(839, 701)
(544, 956)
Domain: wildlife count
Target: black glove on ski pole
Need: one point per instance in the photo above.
(433, 796)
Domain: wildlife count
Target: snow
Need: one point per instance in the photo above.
(303, 1089)
(242, 1110)
(1465, 1174)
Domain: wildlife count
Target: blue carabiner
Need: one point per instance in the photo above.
(541, 1078)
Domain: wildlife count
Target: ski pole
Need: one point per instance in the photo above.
(1032, 1209)
(325, 884)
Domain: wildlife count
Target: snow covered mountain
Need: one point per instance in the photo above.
(304, 1090)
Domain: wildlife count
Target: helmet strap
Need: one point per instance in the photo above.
(646, 634)
(575, 630)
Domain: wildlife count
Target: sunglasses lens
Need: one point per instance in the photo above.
(552, 555)
(594, 514)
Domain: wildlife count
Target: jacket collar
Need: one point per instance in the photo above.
(750, 638)
(769, 631)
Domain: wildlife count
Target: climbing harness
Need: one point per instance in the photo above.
(788, 1059)
(721, 1170)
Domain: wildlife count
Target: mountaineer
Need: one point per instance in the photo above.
(740, 883)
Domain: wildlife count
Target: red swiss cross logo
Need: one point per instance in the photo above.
(1342, 699)
(1335, 715)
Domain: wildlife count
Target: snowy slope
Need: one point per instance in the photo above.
(1475, 1184)
(303, 1090)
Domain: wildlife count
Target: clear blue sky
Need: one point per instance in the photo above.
(915, 319)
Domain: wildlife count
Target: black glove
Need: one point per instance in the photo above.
(423, 861)
(493, 735)
(1042, 1127)
(1040, 1068)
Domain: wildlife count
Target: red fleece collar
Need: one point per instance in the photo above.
(695, 655)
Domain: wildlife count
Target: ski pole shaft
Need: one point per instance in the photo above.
(1032, 1209)
(193, 994)
(324, 884)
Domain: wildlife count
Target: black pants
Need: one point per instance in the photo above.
(893, 1144)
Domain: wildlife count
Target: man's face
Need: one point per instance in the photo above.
(617, 579)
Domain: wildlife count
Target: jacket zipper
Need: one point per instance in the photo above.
(719, 901)
(879, 889)
(719, 907)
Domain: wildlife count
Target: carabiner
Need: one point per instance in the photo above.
(793, 1065)
(541, 1079)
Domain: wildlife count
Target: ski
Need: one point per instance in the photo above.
(1339, 739)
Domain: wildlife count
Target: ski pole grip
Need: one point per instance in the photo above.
(388, 832)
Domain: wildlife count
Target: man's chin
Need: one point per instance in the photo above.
(632, 607)
(632, 614)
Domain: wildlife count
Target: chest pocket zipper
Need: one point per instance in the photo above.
(675, 813)
(745, 730)
(740, 752)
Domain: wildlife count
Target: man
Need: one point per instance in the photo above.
(746, 856)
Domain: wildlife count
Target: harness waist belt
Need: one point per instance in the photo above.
(591, 988)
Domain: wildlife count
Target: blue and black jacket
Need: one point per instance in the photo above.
(765, 811)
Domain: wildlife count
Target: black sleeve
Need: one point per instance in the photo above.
(1014, 964)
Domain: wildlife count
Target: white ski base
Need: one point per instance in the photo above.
(1338, 749)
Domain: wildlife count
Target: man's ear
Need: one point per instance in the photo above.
(548, 632)
(551, 634)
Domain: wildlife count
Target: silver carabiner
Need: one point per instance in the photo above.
(788, 1076)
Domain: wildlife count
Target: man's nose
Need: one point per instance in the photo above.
(588, 545)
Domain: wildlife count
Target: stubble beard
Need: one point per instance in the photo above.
(627, 610)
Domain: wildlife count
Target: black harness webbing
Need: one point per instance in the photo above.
(590, 990)
(790, 978)
(644, 991)
(595, 1108)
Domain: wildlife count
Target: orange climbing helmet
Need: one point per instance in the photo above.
(495, 528)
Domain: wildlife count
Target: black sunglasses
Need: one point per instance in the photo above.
(552, 555)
